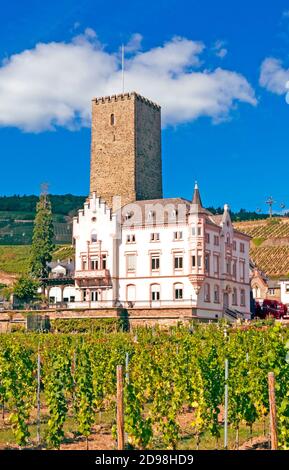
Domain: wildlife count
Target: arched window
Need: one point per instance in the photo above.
(207, 292)
(155, 292)
(216, 294)
(234, 297)
(256, 292)
(178, 291)
(93, 237)
(112, 120)
(130, 293)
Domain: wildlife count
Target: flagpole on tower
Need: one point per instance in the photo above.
(122, 66)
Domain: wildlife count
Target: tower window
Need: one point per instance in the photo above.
(112, 120)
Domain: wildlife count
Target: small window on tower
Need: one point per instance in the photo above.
(112, 120)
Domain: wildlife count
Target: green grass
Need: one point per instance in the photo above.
(14, 259)
(258, 241)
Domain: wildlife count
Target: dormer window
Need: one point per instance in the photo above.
(112, 120)
(174, 213)
(128, 215)
(151, 214)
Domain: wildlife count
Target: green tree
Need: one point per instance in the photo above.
(25, 288)
(42, 241)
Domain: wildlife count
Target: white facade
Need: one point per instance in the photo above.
(284, 291)
(160, 253)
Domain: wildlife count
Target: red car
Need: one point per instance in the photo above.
(272, 308)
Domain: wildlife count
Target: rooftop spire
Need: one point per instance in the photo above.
(196, 197)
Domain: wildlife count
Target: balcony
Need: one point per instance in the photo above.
(97, 278)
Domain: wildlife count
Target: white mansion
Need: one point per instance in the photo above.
(135, 249)
(160, 253)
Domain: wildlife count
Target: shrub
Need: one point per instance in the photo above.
(86, 325)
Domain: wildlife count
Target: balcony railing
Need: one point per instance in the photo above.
(92, 274)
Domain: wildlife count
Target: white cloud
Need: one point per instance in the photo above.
(134, 44)
(274, 76)
(220, 50)
(53, 84)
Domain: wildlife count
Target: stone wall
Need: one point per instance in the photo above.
(136, 316)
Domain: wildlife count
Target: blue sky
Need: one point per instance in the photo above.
(229, 59)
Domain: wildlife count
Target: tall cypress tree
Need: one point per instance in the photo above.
(42, 241)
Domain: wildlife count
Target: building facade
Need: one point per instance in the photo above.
(160, 253)
(136, 249)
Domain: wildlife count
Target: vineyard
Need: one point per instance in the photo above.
(273, 260)
(264, 229)
(270, 244)
(61, 388)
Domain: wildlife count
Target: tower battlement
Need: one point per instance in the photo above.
(125, 96)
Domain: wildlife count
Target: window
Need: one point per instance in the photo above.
(256, 292)
(216, 240)
(242, 298)
(207, 263)
(242, 247)
(155, 292)
(84, 296)
(178, 261)
(131, 263)
(94, 264)
(93, 237)
(234, 297)
(228, 266)
(193, 231)
(103, 261)
(287, 288)
(94, 296)
(155, 263)
(199, 260)
(234, 269)
(242, 270)
(178, 235)
(199, 231)
(207, 237)
(84, 264)
(155, 237)
(234, 245)
(130, 293)
(207, 293)
(178, 291)
(216, 294)
(271, 291)
(193, 261)
(112, 120)
(228, 239)
(216, 264)
(130, 238)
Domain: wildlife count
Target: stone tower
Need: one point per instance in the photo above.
(126, 148)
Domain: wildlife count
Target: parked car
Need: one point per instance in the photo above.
(270, 308)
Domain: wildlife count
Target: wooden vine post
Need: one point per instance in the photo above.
(120, 409)
(273, 413)
(38, 397)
